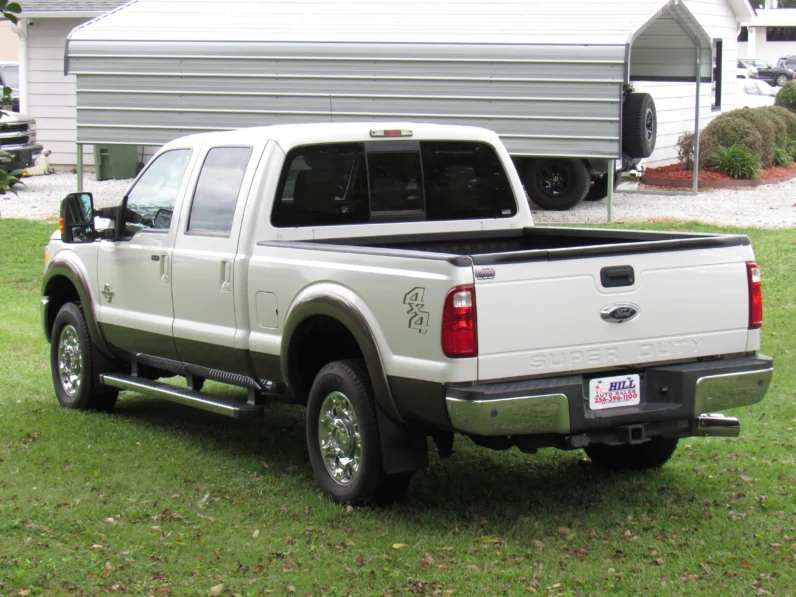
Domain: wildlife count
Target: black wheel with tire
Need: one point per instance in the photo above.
(781, 79)
(651, 454)
(639, 125)
(556, 184)
(343, 438)
(599, 187)
(77, 364)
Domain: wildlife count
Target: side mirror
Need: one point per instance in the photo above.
(77, 218)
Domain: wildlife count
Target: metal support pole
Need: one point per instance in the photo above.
(79, 167)
(610, 179)
(695, 184)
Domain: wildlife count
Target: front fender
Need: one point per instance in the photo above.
(67, 265)
(344, 305)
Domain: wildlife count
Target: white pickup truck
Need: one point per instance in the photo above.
(390, 278)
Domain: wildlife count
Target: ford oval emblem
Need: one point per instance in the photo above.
(620, 313)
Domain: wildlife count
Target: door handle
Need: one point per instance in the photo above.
(164, 268)
(226, 276)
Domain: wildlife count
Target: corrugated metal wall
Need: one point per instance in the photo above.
(543, 100)
(546, 76)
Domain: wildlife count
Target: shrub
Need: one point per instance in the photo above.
(790, 147)
(786, 97)
(763, 125)
(782, 157)
(786, 115)
(727, 131)
(737, 161)
(685, 150)
(779, 124)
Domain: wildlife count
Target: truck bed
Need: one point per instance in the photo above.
(538, 243)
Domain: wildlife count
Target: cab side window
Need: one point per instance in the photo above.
(216, 196)
(150, 203)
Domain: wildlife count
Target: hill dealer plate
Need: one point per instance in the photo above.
(612, 392)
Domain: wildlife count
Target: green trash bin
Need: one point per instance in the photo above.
(115, 162)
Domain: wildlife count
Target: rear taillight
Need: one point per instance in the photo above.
(755, 296)
(459, 329)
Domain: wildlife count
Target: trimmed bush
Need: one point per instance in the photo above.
(763, 125)
(779, 124)
(727, 131)
(685, 150)
(786, 97)
(786, 115)
(791, 149)
(782, 157)
(737, 161)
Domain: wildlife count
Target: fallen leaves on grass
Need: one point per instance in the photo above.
(216, 590)
(398, 545)
(256, 533)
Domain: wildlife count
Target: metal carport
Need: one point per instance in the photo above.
(155, 70)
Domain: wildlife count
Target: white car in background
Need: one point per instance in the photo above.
(753, 93)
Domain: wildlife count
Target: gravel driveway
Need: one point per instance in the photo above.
(771, 206)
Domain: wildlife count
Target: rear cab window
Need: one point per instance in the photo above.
(396, 181)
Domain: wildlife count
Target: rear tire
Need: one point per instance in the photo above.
(555, 183)
(781, 80)
(77, 364)
(343, 438)
(652, 454)
(639, 125)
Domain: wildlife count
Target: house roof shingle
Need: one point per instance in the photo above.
(53, 7)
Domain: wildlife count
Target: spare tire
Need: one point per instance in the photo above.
(556, 183)
(639, 125)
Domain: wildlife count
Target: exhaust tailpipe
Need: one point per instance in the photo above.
(717, 425)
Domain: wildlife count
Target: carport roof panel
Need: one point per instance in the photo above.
(562, 22)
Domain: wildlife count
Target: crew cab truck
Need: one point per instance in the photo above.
(389, 277)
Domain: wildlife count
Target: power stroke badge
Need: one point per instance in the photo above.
(418, 318)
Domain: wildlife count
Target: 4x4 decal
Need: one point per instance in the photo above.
(418, 318)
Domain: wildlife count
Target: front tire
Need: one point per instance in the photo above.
(77, 364)
(651, 454)
(555, 183)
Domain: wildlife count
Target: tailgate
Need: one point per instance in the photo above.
(546, 316)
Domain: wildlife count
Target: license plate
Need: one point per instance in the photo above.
(611, 392)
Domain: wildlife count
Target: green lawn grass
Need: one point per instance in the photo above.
(161, 499)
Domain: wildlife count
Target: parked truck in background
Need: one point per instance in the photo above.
(389, 277)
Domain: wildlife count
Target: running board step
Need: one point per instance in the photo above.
(209, 402)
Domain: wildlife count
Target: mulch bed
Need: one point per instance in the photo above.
(676, 176)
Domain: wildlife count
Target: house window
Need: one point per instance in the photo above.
(744, 34)
(780, 33)
(717, 72)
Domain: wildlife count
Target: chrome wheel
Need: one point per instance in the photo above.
(70, 360)
(649, 125)
(339, 438)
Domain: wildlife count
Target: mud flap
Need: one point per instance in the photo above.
(402, 449)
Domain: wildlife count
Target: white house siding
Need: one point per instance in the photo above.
(52, 94)
(675, 101)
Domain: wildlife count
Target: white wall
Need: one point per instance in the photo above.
(758, 47)
(51, 94)
(675, 101)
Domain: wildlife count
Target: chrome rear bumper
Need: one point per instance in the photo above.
(680, 393)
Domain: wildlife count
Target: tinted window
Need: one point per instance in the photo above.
(438, 180)
(323, 185)
(395, 182)
(217, 190)
(465, 181)
(150, 202)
